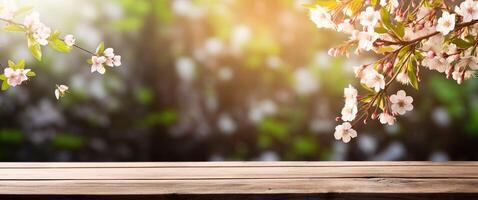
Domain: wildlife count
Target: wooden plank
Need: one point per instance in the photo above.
(240, 186)
(17, 165)
(238, 178)
(238, 173)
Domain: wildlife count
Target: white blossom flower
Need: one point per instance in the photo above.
(403, 78)
(38, 30)
(109, 53)
(345, 132)
(434, 44)
(69, 40)
(369, 18)
(349, 111)
(446, 23)
(437, 63)
(60, 91)
(97, 64)
(350, 94)
(321, 17)
(346, 26)
(373, 79)
(401, 103)
(112, 60)
(366, 39)
(15, 76)
(468, 61)
(386, 118)
(468, 10)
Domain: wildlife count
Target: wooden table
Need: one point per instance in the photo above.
(208, 178)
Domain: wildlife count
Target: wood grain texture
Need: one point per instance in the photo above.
(238, 178)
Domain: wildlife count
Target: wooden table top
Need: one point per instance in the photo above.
(152, 178)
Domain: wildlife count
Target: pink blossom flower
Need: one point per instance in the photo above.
(98, 64)
(401, 103)
(16, 76)
(345, 132)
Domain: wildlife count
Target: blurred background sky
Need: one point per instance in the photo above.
(211, 80)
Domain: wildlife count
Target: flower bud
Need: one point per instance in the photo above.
(331, 51)
(388, 67)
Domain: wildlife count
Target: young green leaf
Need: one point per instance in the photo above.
(100, 48)
(14, 28)
(34, 48)
(59, 46)
(11, 64)
(5, 85)
(3, 77)
(20, 64)
(411, 74)
(31, 73)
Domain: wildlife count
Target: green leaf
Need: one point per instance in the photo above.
(385, 49)
(329, 4)
(355, 6)
(374, 2)
(20, 64)
(3, 77)
(381, 30)
(100, 48)
(5, 85)
(411, 74)
(34, 48)
(11, 64)
(89, 61)
(400, 30)
(462, 44)
(385, 16)
(14, 28)
(22, 10)
(31, 73)
(367, 88)
(59, 46)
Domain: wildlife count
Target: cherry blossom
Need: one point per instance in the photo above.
(37, 29)
(374, 80)
(349, 111)
(15, 76)
(403, 78)
(401, 103)
(468, 10)
(446, 23)
(60, 91)
(468, 61)
(350, 94)
(386, 118)
(437, 63)
(321, 17)
(366, 40)
(69, 40)
(98, 64)
(345, 132)
(369, 18)
(405, 39)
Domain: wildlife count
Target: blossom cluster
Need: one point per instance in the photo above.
(408, 35)
(38, 35)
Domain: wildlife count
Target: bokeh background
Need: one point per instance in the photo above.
(212, 80)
